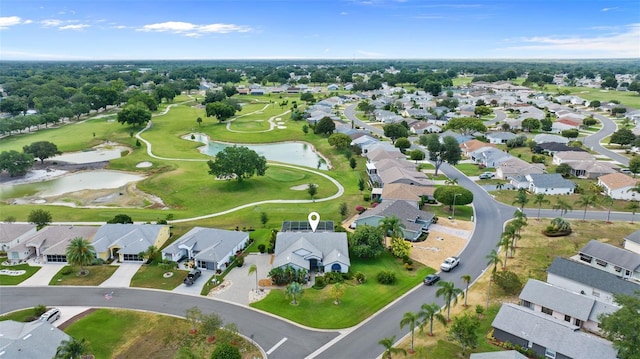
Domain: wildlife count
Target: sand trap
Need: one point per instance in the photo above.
(105, 152)
(281, 127)
(145, 164)
(301, 187)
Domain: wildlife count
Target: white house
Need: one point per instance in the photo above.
(617, 261)
(549, 183)
(619, 186)
(11, 234)
(498, 138)
(632, 242)
(312, 251)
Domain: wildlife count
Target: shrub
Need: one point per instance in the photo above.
(66, 270)
(262, 248)
(38, 310)
(333, 277)
(386, 277)
(360, 277)
(479, 309)
(366, 197)
(319, 283)
(226, 351)
(359, 209)
(508, 281)
(408, 266)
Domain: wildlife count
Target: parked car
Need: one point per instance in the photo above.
(486, 175)
(431, 279)
(192, 276)
(450, 263)
(50, 315)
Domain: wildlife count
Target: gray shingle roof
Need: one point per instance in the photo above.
(296, 247)
(550, 180)
(403, 210)
(550, 333)
(132, 238)
(557, 299)
(634, 237)
(211, 244)
(593, 277)
(509, 354)
(33, 340)
(11, 231)
(613, 255)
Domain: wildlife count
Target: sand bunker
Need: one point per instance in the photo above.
(301, 187)
(145, 164)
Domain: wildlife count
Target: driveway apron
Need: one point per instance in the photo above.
(122, 276)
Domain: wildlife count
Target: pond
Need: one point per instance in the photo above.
(295, 153)
(78, 181)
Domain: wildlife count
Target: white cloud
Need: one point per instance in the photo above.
(74, 27)
(119, 27)
(344, 13)
(608, 45)
(8, 21)
(609, 9)
(51, 22)
(193, 30)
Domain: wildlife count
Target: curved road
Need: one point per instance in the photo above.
(593, 141)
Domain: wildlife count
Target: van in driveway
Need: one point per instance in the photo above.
(50, 315)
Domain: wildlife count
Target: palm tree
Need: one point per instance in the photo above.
(585, 201)
(499, 186)
(149, 254)
(540, 199)
(80, 252)
(72, 349)
(506, 242)
(254, 269)
(521, 198)
(410, 319)
(450, 294)
(430, 312)
(392, 226)
(494, 260)
(562, 206)
(387, 343)
(633, 206)
(466, 279)
(293, 290)
(451, 181)
(608, 201)
(635, 188)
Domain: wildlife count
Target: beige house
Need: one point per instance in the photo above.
(571, 156)
(406, 192)
(516, 166)
(50, 243)
(618, 186)
(125, 242)
(473, 145)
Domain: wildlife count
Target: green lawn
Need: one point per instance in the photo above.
(471, 169)
(152, 276)
(17, 279)
(97, 274)
(20, 315)
(627, 98)
(316, 308)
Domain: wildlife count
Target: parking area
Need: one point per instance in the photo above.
(238, 286)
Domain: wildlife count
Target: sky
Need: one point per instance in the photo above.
(318, 29)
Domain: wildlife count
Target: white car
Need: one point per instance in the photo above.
(486, 175)
(450, 263)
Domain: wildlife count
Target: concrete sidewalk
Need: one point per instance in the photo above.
(122, 276)
(44, 276)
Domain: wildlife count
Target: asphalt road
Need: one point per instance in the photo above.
(593, 141)
(264, 329)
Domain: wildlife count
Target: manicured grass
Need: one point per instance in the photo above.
(471, 169)
(463, 213)
(20, 315)
(461, 81)
(152, 276)
(508, 196)
(316, 309)
(17, 279)
(97, 275)
(626, 98)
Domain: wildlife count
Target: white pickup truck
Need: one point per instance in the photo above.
(450, 263)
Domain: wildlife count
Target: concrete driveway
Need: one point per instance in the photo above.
(239, 284)
(122, 276)
(196, 287)
(43, 276)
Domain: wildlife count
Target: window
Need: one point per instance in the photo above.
(551, 354)
(567, 318)
(617, 269)
(596, 294)
(600, 262)
(546, 310)
(525, 303)
(131, 257)
(585, 258)
(578, 322)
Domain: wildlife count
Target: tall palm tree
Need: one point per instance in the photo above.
(80, 252)
(562, 206)
(387, 343)
(633, 206)
(519, 221)
(494, 260)
(392, 227)
(585, 201)
(430, 312)
(540, 199)
(466, 279)
(608, 201)
(71, 349)
(511, 231)
(450, 294)
(254, 269)
(521, 198)
(410, 319)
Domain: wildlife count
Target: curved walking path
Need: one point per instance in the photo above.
(150, 153)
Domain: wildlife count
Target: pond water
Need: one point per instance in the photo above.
(78, 181)
(295, 153)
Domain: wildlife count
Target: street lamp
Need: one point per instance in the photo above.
(453, 213)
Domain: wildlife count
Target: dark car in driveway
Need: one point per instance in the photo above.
(192, 276)
(431, 279)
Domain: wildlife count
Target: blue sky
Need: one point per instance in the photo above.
(318, 29)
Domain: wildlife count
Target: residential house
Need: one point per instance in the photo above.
(11, 234)
(414, 220)
(333, 87)
(55, 238)
(549, 183)
(209, 248)
(380, 151)
(499, 138)
(507, 354)
(588, 281)
(571, 156)
(406, 192)
(489, 156)
(619, 186)
(404, 175)
(385, 116)
(632, 242)
(547, 336)
(563, 125)
(312, 251)
(34, 340)
(474, 145)
(457, 136)
(552, 148)
(125, 242)
(592, 169)
(617, 261)
(419, 127)
(514, 123)
(565, 305)
(515, 166)
(545, 138)
(416, 113)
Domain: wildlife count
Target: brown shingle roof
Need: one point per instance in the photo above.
(617, 180)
